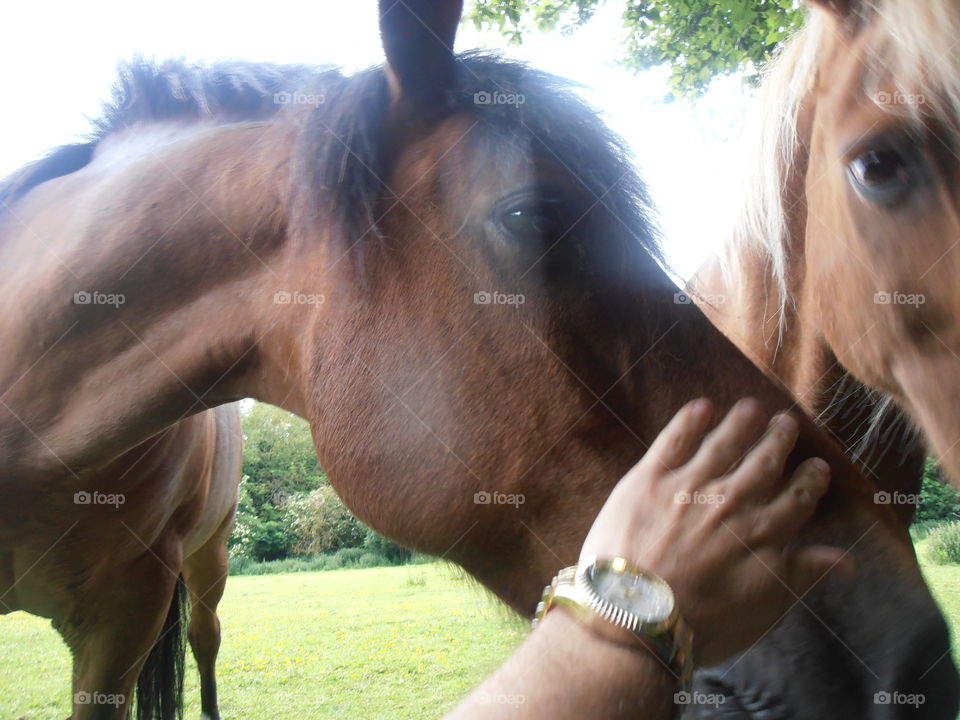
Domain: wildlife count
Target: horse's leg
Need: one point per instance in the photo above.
(113, 631)
(205, 573)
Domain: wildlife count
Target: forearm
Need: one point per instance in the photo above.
(562, 671)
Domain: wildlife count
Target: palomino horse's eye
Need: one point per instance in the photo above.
(881, 175)
(533, 222)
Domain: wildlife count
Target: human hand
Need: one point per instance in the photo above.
(715, 519)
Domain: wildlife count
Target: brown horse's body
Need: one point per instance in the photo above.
(461, 297)
(100, 551)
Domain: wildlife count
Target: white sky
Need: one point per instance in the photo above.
(58, 60)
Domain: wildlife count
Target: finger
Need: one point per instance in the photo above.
(762, 467)
(807, 566)
(729, 440)
(677, 442)
(783, 517)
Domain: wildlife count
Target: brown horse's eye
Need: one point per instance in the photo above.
(882, 175)
(533, 222)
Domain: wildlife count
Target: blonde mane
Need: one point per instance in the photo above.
(912, 69)
(913, 51)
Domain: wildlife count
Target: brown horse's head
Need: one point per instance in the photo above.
(498, 343)
(882, 248)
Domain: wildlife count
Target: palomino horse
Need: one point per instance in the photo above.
(447, 267)
(84, 556)
(851, 231)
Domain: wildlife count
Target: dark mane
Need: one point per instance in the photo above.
(338, 160)
(339, 165)
(223, 92)
(146, 92)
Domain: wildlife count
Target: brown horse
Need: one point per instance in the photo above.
(460, 290)
(849, 243)
(85, 555)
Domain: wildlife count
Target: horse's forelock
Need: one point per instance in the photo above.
(914, 47)
(339, 163)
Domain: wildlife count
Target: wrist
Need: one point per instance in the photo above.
(618, 602)
(571, 639)
(565, 670)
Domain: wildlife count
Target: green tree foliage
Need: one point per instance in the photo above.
(278, 456)
(939, 501)
(259, 532)
(698, 39)
(279, 464)
(286, 505)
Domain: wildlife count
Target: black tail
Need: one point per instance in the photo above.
(160, 686)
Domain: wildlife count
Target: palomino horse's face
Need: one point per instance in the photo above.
(489, 363)
(883, 231)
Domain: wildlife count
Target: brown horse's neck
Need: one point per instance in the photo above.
(701, 374)
(675, 354)
(164, 300)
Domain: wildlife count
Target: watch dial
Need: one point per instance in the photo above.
(647, 598)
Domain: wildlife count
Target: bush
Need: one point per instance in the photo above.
(379, 545)
(943, 545)
(348, 556)
(240, 563)
(320, 523)
(369, 560)
(921, 530)
(939, 501)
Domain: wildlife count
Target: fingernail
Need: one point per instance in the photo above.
(821, 466)
(747, 405)
(784, 421)
(699, 407)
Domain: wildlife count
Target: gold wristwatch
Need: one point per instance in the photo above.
(626, 605)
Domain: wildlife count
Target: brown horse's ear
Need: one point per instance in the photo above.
(842, 9)
(418, 40)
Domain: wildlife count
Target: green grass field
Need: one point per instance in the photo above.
(402, 642)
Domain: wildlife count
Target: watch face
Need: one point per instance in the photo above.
(648, 598)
